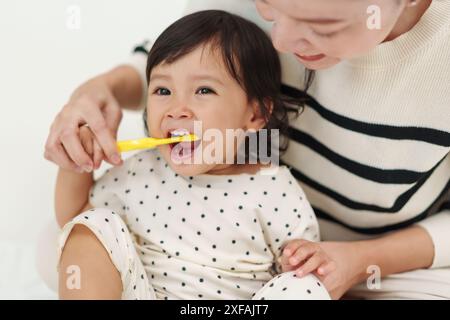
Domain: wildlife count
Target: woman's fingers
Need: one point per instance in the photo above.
(307, 257)
(311, 264)
(303, 252)
(326, 268)
(94, 104)
(91, 146)
(289, 251)
(63, 147)
(292, 246)
(105, 138)
(113, 115)
(56, 153)
(287, 267)
(63, 144)
(71, 141)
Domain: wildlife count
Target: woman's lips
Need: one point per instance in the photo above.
(316, 57)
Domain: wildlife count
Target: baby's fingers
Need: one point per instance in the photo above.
(98, 155)
(88, 145)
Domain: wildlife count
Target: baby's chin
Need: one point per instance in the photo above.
(189, 170)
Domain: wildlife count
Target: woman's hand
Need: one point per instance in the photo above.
(97, 103)
(351, 266)
(404, 250)
(339, 265)
(94, 104)
(306, 257)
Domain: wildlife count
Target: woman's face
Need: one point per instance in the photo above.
(321, 33)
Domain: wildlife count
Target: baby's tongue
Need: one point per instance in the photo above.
(186, 145)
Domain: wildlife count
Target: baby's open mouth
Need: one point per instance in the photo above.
(182, 150)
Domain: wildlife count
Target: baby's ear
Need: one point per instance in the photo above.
(260, 115)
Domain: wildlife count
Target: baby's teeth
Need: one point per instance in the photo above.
(177, 133)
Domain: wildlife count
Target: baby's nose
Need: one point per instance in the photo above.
(179, 113)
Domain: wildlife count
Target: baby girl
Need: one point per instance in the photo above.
(162, 226)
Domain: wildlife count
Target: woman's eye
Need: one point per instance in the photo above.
(324, 35)
(162, 91)
(204, 91)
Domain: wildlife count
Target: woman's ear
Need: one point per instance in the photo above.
(258, 118)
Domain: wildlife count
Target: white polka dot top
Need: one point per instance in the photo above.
(216, 231)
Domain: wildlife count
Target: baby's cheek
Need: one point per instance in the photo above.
(154, 117)
(154, 126)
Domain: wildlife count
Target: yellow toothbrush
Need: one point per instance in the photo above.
(149, 143)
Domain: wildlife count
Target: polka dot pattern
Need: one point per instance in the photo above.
(192, 232)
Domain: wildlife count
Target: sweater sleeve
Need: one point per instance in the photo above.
(438, 227)
(138, 61)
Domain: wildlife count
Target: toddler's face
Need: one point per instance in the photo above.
(197, 87)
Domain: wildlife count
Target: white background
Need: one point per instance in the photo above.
(41, 63)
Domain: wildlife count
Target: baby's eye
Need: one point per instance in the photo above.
(162, 91)
(205, 90)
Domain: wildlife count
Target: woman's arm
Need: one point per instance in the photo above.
(72, 194)
(401, 251)
(405, 250)
(125, 84)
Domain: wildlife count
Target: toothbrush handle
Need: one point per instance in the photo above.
(150, 143)
(137, 144)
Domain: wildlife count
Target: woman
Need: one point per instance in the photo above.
(371, 149)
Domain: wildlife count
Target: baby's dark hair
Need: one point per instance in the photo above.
(247, 53)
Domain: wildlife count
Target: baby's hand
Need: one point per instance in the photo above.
(87, 139)
(306, 257)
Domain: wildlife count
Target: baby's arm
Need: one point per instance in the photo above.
(72, 188)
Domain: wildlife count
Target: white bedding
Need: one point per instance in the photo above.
(19, 278)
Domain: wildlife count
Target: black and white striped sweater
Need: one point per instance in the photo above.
(372, 148)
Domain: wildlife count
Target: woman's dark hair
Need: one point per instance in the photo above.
(247, 53)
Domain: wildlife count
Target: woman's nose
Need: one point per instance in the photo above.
(289, 37)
